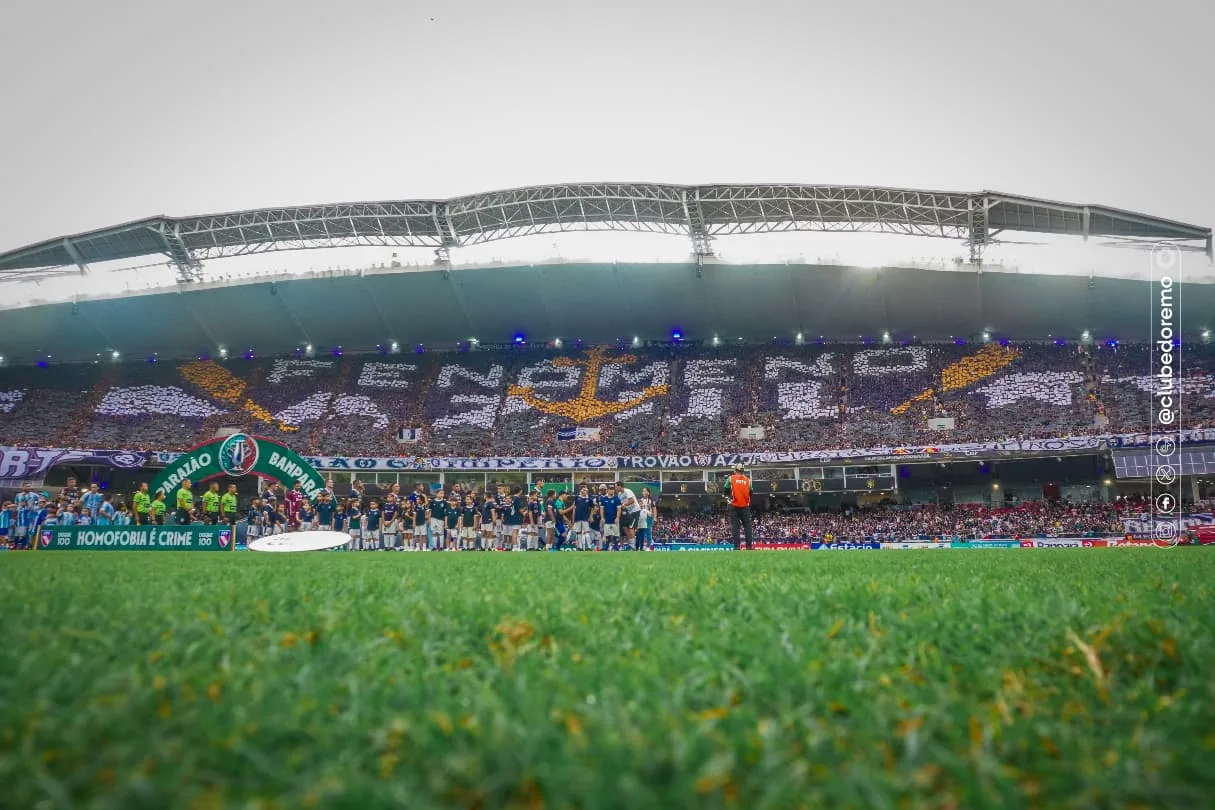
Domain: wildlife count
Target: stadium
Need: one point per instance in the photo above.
(895, 408)
(672, 415)
(837, 387)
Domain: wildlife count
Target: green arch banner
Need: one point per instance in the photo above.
(239, 455)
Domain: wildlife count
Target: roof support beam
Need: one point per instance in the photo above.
(75, 254)
(702, 242)
(446, 232)
(189, 268)
(977, 236)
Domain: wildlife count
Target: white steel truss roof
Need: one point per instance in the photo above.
(697, 212)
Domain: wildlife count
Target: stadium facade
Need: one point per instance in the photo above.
(827, 373)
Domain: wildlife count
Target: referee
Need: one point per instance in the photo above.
(185, 503)
(738, 490)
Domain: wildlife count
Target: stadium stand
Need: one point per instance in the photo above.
(1032, 519)
(39, 405)
(659, 399)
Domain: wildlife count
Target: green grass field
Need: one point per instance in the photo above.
(961, 679)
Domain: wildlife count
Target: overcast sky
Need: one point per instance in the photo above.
(118, 110)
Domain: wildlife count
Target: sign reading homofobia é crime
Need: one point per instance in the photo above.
(135, 538)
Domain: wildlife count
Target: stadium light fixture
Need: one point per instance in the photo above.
(1206, 334)
(636, 341)
(1085, 335)
(799, 337)
(716, 340)
(114, 355)
(308, 348)
(986, 337)
(557, 342)
(885, 337)
(223, 353)
(395, 347)
(520, 338)
(676, 335)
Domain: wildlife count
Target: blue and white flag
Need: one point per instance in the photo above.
(578, 434)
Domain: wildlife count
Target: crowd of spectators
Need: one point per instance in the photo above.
(683, 400)
(41, 405)
(1032, 519)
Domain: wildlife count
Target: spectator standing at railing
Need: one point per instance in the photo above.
(738, 490)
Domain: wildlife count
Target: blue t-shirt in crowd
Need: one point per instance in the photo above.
(324, 513)
(611, 506)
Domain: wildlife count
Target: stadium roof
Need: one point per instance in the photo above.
(698, 212)
(599, 303)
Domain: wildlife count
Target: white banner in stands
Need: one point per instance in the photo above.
(660, 462)
(417, 464)
(909, 546)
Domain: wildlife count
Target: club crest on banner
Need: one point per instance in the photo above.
(238, 455)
